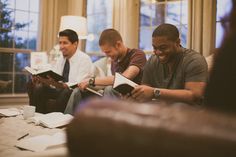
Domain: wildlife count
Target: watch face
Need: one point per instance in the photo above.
(156, 93)
(91, 81)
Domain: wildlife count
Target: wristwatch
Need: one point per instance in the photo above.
(156, 93)
(92, 81)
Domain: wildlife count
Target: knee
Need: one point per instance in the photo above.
(76, 92)
(108, 90)
(38, 88)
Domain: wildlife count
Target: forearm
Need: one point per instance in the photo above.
(104, 81)
(180, 95)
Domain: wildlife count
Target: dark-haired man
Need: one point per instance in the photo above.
(173, 72)
(74, 65)
(129, 62)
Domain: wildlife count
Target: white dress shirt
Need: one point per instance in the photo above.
(81, 67)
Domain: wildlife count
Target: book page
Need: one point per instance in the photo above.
(52, 120)
(120, 79)
(39, 60)
(42, 142)
(94, 91)
(31, 70)
(72, 85)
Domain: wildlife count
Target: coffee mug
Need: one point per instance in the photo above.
(28, 111)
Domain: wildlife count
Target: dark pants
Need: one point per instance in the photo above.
(47, 99)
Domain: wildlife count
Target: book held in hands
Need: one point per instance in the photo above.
(122, 84)
(93, 91)
(45, 73)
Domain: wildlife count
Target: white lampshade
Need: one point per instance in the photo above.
(75, 23)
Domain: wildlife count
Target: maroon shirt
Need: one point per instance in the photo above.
(133, 57)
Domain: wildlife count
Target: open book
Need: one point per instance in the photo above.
(52, 120)
(42, 142)
(72, 85)
(122, 84)
(44, 73)
(10, 112)
(93, 91)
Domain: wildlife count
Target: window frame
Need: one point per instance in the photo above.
(151, 26)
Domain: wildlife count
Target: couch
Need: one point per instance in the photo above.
(111, 128)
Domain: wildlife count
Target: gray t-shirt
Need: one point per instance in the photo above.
(192, 67)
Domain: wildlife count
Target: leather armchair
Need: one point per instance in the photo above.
(123, 129)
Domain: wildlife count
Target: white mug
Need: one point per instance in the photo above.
(28, 111)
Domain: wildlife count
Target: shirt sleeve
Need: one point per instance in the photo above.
(85, 69)
(138, 59)
(196, 70)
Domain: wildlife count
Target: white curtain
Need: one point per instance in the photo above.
(201, 26)
(126, 20)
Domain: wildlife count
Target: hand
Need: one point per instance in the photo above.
(142, 93)
(35, 80)
(127, 97)
(84, 84)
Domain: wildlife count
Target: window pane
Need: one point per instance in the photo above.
(22, 4)
(18, 29)
(11, 4)
(97, 11)
(145, 38)
(6, 60)
(32, 40)
(183, 34)
(184, 12)
(22, 18)
(145, 18)
(158, 14)
(34, 5)
(173, 13)
(33, 22)
(21, 60)
(219, 34)
(98, 6)
(7, 86)
(223, 8)
(6, 39)
(21, 39)
(20, 83)
(92, 46)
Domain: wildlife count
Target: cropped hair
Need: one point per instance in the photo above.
(110, 36)
(167, 30)
(72, 35)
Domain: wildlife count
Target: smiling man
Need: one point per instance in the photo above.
(74, 65)
(173, 72)
(129, 62)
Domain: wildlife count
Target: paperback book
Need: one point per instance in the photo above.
(122, 84)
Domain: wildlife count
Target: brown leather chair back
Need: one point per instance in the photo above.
(109, 128)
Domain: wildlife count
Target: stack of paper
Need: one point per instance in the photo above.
(42, 142)
(52, 120)
(10, 112)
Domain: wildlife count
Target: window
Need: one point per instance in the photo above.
(99, 17)
(18, 36)
(154, 13)
(223, 8)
